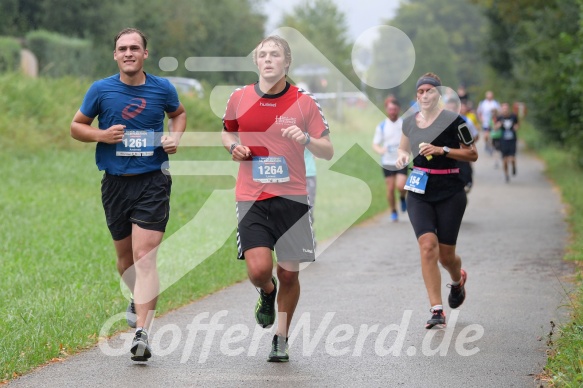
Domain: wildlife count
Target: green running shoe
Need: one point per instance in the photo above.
(265, 307)
(279, 349)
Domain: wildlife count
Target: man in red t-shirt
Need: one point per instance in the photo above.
(266, 127)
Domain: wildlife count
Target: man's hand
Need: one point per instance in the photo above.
(169, 144)
(113, 134)
(294, 133)
(241, 153)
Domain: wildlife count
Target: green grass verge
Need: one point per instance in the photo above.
(565, 363)
(57, 262)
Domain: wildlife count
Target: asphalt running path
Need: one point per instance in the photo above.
(360, 320)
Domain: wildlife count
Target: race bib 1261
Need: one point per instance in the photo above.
(136, 143)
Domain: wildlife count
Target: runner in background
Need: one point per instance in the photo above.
(495, 136)
(311, 183)
(508, 124)
(311, 172)
(466, 169)
(470, 114)
(462, 94)
(386, 141)
(485, 114)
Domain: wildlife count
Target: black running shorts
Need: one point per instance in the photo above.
(142, 199)
(508, 148)
(392, 170)
(282, 224)
(442, 218)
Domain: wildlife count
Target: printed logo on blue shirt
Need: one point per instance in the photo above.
(133, 109)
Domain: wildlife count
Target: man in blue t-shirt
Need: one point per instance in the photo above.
(133, 151)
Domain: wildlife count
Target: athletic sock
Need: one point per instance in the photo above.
(456, 283)
(437, 307)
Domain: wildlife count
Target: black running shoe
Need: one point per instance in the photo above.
(140, 350)
(457, 294)
(279, 349)
(131, 316)
(265, 307)
(437, 318)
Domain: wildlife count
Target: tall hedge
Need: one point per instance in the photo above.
(9, 54)
(59, 55)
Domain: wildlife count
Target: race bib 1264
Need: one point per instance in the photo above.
(270, 169)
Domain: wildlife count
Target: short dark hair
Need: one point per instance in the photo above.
(391, 99)
(130, 30)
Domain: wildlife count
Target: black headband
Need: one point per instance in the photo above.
(427, 80)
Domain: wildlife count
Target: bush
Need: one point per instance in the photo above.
(59, 55)
(9, 54)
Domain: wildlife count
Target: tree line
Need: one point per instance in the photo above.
(180, 29)
(524, 50)
(535, 48)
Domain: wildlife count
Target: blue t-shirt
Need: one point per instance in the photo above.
(140, 108)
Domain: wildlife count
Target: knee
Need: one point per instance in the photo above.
(125, 261)
(447, 258)
(258, 273)
(429, 250)
(145, 264)
(258, 276)
(287, 278)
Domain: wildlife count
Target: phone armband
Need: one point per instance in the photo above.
(464, 134)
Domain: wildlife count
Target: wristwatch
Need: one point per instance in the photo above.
(445, 150)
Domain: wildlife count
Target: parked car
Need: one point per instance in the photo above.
(187, 86)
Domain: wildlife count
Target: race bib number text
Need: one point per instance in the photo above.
(136, 143)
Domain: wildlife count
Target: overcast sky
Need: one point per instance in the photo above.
(360, 15)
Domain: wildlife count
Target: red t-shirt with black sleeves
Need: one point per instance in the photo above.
(258, 119)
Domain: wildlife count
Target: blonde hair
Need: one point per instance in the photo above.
(280, 42)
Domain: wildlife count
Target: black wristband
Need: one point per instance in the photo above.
(233, 146)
